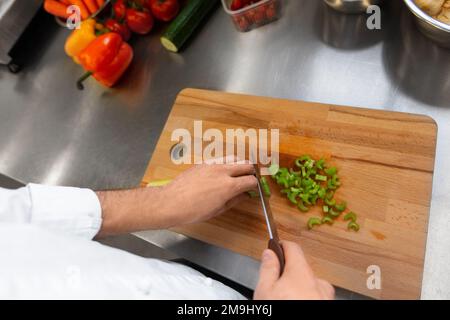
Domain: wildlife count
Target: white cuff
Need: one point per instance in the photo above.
(72, 211)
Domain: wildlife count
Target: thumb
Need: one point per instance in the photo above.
(269, 272)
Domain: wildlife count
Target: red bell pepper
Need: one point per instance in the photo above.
(106, 59)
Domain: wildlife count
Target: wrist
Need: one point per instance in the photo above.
(134, 210)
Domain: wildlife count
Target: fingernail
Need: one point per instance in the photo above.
(266, 256)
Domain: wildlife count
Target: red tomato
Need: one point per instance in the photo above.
(250, 15)
(271, 12)
(164, 10)
(120, 28)
(120, 9)
(259, 17)
(140, 22)
(237, 4)
(243, 23)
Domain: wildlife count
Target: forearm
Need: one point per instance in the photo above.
(198, 194)
(132, 210)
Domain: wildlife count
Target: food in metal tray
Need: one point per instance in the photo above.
(438, 9)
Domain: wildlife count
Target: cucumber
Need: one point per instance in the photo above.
(185, 23)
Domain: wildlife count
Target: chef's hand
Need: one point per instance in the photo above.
(207, 190)
(196, 195)
(297, 281)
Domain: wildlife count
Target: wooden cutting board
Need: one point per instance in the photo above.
(386, 163)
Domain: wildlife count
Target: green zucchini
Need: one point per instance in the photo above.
(185, 23)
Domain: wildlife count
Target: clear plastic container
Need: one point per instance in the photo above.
(255, 15)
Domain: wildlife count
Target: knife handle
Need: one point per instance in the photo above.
(276, 247)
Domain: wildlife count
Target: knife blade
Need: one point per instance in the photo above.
(274, 242)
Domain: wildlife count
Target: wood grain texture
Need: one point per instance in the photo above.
(386, 163)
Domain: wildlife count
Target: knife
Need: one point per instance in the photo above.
(274, 242)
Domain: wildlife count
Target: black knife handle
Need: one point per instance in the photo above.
(276, 247)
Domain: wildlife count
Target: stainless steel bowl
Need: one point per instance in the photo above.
(432, 28)
(352, 6)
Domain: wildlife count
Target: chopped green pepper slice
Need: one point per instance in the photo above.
(330, 202)
(314, 221)
(298, 162)
(341, 207)
(265, 187)
(291, 196)
(333, 213)
(320, 164)
(309, 163)
(327, 219)
(331, 171)
(330, 194)
(330, 185)
(252, 194)
(321, 193)
(353, 226)
(307, 183)
(315, 189)
(350, 216)
(325, 209)
(305, 198)
(302, 207)
(320, 177)
(283, 181)
(273, 169)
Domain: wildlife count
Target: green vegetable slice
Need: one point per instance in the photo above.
(328, 220)
(320, 177)
(273, 169)
(331, 171)
(350, 216)
(252, 194)
(333, 213)
(353, 226)
(341, 207)
(330, 202)
(265, 187)
(320, 164)
(291, 196)
(302, 207)
(314, 221)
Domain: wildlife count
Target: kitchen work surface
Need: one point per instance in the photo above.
(103, 139)
(385, 161)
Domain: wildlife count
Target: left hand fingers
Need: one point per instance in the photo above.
(237, 170)
(243, 184)
(235, 201)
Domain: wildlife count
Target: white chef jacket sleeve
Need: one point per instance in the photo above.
(71, 211)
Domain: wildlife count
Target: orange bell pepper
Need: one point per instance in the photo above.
(106, 58)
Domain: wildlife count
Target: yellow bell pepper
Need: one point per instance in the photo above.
(80, 38)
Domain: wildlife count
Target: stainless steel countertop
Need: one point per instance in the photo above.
(52, 133)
